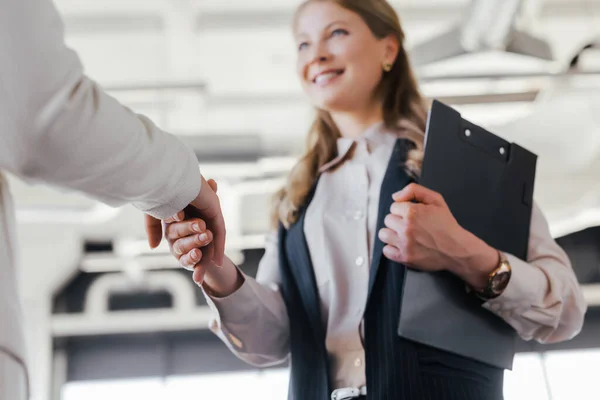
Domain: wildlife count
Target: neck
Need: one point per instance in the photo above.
(353, 124)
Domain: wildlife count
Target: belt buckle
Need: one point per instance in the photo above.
(348, 393)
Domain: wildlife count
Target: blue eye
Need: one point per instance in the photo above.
(302, 45)
(339, 32)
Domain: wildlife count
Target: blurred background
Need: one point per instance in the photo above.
(107, 318)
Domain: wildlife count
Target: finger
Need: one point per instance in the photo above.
(189, 243)
(392, 253)
(180, 216)
(208, 206)
(395, 223)
(389, 237)
(419, 194)
(198, 275)
(213, 185)
(154, 231)
(404, 210)
(178, 230)
(189, 260)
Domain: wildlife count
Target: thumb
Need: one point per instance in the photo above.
(153, 231)
(213, 185)
(419, 194)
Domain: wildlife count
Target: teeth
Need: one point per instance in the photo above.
(324, 78)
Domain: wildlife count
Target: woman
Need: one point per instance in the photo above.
(312, 298)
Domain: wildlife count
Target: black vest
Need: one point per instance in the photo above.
(396, 369)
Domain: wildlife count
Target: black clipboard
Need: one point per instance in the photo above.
(488, 185)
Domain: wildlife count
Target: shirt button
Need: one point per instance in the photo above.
(359, 261)
(358, 215)
(357, 362)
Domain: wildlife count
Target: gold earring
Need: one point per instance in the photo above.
(387, 67)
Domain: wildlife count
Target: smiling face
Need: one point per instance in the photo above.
(340, 61)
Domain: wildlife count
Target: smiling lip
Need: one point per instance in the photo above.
(324, 77)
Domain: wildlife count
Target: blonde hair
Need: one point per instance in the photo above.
(404, 110)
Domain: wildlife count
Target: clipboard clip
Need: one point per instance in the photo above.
(485, 141)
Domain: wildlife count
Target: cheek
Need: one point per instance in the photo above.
(365, 68)
(366, 75)
(369, 71)
(301, 68)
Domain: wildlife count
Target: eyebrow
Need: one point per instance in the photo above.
(326, 27)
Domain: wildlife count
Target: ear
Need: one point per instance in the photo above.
(391, 48)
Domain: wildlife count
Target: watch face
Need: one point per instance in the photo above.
(500, 281)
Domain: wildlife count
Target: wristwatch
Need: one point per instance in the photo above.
(497, 280)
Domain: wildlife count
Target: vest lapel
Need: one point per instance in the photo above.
(395, 179)
(301, 267)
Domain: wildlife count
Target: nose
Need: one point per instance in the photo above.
(319, 53)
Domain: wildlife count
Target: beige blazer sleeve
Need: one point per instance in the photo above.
(543, 300)
(60, 127)
(253, 321)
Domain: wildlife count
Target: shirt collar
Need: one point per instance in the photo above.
(373, 137)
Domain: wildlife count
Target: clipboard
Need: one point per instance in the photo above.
(488, 185)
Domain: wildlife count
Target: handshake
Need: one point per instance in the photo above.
(199, 225)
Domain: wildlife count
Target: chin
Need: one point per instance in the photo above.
(334, 104)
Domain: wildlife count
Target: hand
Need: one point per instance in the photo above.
(185, 239)
(422, 233)
(207, 206)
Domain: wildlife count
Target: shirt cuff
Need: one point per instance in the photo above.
(185, 191)
(237, 308)
(526, 287)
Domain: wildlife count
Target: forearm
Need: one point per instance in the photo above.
(473, 260)
(252, 321)
(222, 281)
(97, 146)
(61, 128)
(543, 300)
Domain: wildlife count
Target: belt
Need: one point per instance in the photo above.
(348, 393)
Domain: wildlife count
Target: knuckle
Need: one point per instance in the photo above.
(408, 231)
(389, 219)
(391, 235)
(177, 250)
(175, 231)
(175, 254)
(399, 254)
(184, 262)
(179, 246)
(411, 212)
(169, 232)
(384, 235)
